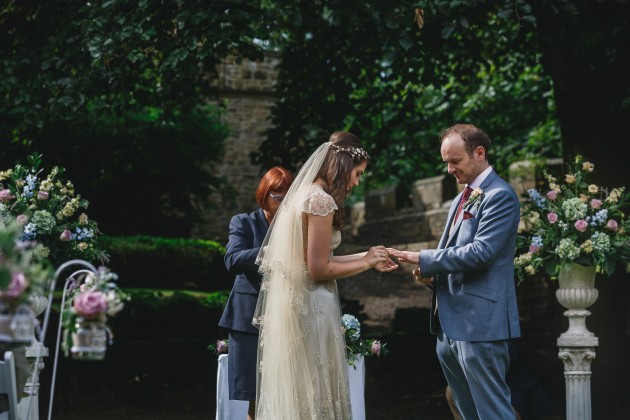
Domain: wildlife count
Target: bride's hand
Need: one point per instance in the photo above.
(387, 266)
(376, 255)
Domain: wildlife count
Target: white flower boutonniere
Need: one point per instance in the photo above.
(475, 198)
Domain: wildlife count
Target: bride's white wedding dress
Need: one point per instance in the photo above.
(302, 362)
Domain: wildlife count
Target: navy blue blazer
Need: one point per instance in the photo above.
(247, 232)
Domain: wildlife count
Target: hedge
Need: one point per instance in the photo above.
(167, 263)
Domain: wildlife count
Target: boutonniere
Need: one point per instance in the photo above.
(475, 198)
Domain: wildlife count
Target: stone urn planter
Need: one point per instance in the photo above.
(577, 344)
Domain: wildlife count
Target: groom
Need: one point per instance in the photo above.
(474, 311)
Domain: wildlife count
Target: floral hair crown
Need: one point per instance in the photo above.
(356, 152)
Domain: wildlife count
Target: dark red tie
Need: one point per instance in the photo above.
(465, 196)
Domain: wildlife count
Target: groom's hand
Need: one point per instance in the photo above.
(409, 257)
(427, 281)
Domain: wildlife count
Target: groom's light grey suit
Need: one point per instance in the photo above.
(474, 289)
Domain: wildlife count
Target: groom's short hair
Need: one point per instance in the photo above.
(472, 136)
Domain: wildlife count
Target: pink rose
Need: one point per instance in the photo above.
(552, 217)
(90, 304)
(17, 286)
(5, 195)
(533, 248)
(22, 219)
(42, 195)
(595, 203)
(222, 347)
(65, 236)
(376, 348)
(581, 225)
(612, 224)
(552, 195)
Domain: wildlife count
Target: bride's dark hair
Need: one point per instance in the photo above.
(345, 153)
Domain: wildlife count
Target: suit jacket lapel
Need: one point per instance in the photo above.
(452, 233)
(450, 229)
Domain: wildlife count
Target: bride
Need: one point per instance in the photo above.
(302, 366)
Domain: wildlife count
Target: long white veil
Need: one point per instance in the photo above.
(284, 386)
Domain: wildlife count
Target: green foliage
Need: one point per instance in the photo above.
(415, 74)
(59, 58)
(115, 91)
(165, 314)
(160, 162)
(167, 263)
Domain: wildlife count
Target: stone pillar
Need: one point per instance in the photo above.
(577, 344)
(577, 377)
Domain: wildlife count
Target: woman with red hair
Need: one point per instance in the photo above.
(246, 235)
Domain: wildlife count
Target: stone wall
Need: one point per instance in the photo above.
(246, 95)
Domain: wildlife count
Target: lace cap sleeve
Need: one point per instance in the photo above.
(318, 202)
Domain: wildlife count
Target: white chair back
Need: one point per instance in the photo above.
(8, 386)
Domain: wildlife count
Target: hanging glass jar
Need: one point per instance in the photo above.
(89, 341)
(18, 326)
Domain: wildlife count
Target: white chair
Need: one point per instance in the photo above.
(233, 409)
(8, 386)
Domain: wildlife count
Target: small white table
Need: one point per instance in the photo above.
(237, 410)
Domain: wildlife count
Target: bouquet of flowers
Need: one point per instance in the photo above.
(91, 300)
(49, 210)
(221, 346)
(573, 222)
(355, 345)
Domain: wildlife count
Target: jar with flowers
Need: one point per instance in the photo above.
(23, 274)
(91, 300)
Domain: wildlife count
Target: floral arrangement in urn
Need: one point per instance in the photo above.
(49, 210)
(574, 221)
(23, 273)
(91, 300)
(357, 346)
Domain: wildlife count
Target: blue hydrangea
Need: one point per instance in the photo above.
(599, 218)
(30, 232)
(537, 241)
(352, 327)
(29, 187)
(82, 234)
(538, 199)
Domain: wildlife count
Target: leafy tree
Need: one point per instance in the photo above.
(114, 90)
(59, 58)
(585, 49)
(397, 76)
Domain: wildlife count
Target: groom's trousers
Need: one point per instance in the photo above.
(475, 371)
